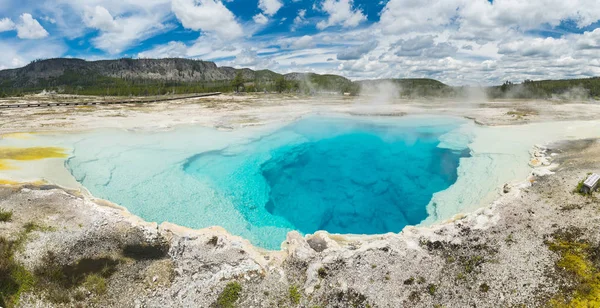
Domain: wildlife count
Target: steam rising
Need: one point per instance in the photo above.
(381, 92)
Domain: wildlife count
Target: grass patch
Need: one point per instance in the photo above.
(294, 295)
(14, 278)
(484, 287)
(33, 226)
(5, 216)
(431, 289)
(61, 281)
(95, 284)
(579, 188)
(472, 263)
(576, 261)
(229, 296)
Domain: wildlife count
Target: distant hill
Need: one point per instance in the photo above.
(416, 87)
(124, 77)
(561, 89)
(153, 77)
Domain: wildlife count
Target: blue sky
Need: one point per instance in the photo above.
(455, 41)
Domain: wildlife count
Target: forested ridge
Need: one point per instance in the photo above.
(144, 77)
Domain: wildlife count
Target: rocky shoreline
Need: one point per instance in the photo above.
(80, 252)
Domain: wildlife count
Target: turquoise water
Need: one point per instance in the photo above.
(339, 174)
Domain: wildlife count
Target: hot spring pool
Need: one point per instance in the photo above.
(339, 174)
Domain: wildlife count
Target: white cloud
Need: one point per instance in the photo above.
(534, 47)
(129, 31)
(303, 42)
(18, 53)
(249, 58)
(341, 13)
(260, 19)
(589, 40)
(403, 16)
(171, 50)
(6, 24)
(299, 20)
(100, 18)
(30, 29)
(207, 16)
(357, 52)
(455, 41)
(270, 7)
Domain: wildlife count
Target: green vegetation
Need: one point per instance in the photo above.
(431, 289)
(294, 295)
(472, 263)
(409, 88)
(484, 287)
(565, 89)
(14, 278)
(229, 296)
(60, 282)
(5, 216)
(184, 76)
(509, 239)
(33, 226)
(237, 82)
(414, 296)
(95, 284)
(322, 272)
(579, 188)
(578, 260)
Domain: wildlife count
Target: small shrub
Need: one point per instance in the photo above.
(431, 288)
(95, 284)
(5, 216)
(58, 296)
(421, 280)
(579, 188)
(414, 296)
(484, 287)
(229, 296)
(322, 272)
(213, 241)
(33, 226)
(509, 239)
(409, 281)
(14, 278)
(79, 295)
(294, 295)
(472, 263)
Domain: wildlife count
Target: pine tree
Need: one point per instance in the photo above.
(237, 82)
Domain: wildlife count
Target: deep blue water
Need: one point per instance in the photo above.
(339, 174)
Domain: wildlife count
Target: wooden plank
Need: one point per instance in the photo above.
(110, 102)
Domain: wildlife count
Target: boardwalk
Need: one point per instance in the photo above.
(31, 105)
